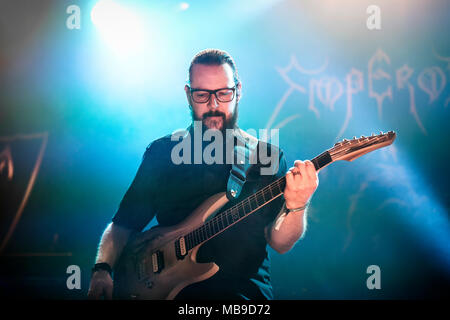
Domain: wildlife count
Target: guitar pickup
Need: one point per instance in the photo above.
(157, 261)
(180, 248)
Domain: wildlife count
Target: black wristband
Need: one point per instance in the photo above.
(102, 266)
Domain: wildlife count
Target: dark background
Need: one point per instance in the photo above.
(90, 100)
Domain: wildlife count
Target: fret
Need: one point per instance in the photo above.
(210, 230)
(241, 210)
(226, 216)
(192, 236)
(262, 196)
(270, 190)
(241, 213)
(237, 213)
(204, 236)
(257, 200)
(213, 226)
(188, 241)
(253, 203)
(273, 188)
(195, 238)
(247, 206)
(268, 194)
(222, 221)
(192, 233)
(279, 184)
(279, 187)
(218, 224)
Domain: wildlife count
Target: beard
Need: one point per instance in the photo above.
(227, 123)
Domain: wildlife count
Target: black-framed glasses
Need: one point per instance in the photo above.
(222, 95)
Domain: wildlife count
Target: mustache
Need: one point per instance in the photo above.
(213, 114)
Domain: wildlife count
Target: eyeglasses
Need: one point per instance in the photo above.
(222, 95)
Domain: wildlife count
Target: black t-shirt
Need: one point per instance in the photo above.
(172, 192)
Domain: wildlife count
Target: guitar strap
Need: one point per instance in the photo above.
(244, 154)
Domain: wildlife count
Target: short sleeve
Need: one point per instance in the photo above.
(138, 206)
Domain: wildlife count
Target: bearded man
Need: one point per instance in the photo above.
(171, 191)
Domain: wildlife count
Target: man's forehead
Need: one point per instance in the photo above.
(212, 76)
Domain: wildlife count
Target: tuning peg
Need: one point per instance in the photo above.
(381, 132)
(354, 138)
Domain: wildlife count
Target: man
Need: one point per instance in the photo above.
(172, 191)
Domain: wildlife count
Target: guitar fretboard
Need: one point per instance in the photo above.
(244, 208)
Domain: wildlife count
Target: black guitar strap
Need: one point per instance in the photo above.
(244, 156)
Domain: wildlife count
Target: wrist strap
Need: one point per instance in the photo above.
(296, 209)
(102, 266)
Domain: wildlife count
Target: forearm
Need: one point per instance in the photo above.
(113, 241)
(287, 230)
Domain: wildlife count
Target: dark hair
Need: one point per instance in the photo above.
(214, 57)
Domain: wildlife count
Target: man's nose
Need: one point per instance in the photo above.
(213, 103)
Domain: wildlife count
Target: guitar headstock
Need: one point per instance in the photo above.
(349, 150)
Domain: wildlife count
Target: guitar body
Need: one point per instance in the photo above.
(150, 268)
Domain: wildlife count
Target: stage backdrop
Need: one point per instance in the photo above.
(85, 86)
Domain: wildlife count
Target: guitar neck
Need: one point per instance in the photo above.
(244, 208)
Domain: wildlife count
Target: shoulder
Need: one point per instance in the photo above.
(259, 144)
(269, 159)
(164, 143)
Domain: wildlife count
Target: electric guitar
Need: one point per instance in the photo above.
(160, 262)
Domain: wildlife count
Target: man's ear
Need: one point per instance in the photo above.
(188, 95)
(238, 91)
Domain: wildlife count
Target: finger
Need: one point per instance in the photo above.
(302, 168)
(93, 294)
(289, 179)
(108, 292)
(294, 171)
(296, 175)
(298, 163)
(311, 170)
